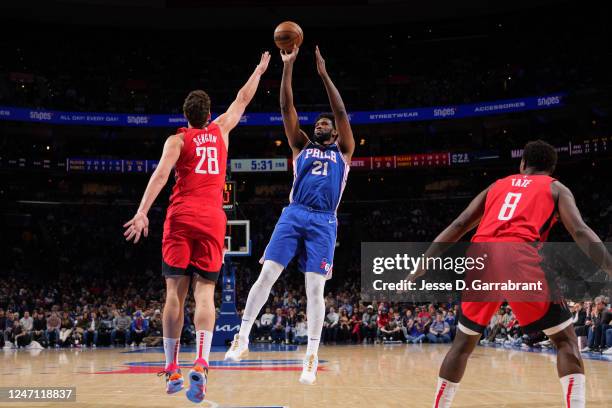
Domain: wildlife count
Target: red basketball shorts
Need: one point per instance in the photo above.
(193, 242)
(541, 309)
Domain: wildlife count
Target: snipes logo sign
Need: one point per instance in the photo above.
(40, 115)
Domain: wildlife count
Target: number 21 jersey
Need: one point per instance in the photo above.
(518, 208)
(319, 177)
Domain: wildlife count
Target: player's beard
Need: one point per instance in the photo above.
(322, 137)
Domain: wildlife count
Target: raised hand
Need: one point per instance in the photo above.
(136, 226)
(289, 57)
(263, 63)
(320, 62)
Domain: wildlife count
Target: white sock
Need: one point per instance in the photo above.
(258, 296)
(171, 350)
(203, 342)
(573, 390)
(315, 310)
(445, 392)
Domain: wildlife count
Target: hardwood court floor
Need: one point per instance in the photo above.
(350, 376)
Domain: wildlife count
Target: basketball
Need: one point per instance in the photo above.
(287, 34)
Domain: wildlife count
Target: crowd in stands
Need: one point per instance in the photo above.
(85, 315)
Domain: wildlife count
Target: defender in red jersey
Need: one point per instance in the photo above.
(520, 209)
(194, 230)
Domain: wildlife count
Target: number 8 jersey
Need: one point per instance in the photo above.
(319, 177)
(200, 169)
(518, 208)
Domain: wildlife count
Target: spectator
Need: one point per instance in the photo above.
(105, 328)
(155, 335)
(54, 324)
(121, 328)
(368, 325)
(301, 330)
(19, 337)
(579, 321)
(38, 329)
(80, 328)
(290, 323)
(27, 322)
(391, 331)
(439, 331)
(66, 328)
(596, 332)
(355, 323)
(278, 326)
(407, 323)
(265, 324)
(90, 336)
(451, 319)
(330, 326)
(8, 325)
(139, 328)
(498, 322)
(344, 327)
(2, 326)
(417, 334)
(381, 321)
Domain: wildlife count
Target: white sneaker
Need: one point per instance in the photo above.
(309, 370)
(608, 351)
(484, 341)
(237, 350)
(585, 350)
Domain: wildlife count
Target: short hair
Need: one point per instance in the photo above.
(327, 115)
(197, 108)
(540, 156)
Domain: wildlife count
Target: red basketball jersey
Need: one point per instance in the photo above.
(518, 208)
(200, 169)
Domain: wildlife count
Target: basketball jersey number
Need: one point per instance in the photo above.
(316, 170)
(510, 203)
(207, 155)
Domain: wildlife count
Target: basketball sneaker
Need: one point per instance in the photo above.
(237, 350)
(309, 369)
(198, 377)
(174, 378)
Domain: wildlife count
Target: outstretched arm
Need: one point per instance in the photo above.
(296, 137)
(586, 239)
(346, 141)
(140, 223)
(230, 119)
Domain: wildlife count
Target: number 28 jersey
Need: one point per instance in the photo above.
(319, 177)
(200, 169)
(518, 208)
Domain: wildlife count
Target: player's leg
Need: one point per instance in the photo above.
(555, 320)
(176, 252)
(258, 296)
(177, 288)
(474, 317)
(279, 252)
(315, 315)
(317, 263)
(204, 320)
